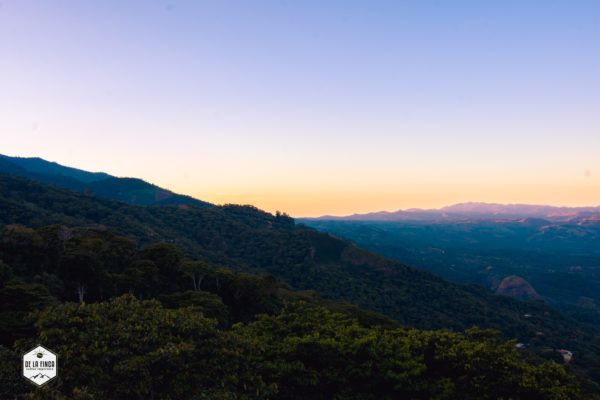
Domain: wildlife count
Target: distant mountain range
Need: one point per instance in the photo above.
(479, 211)
(129, 190)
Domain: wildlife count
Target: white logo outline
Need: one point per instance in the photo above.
(37, 374)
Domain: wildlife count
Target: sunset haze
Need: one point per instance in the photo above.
(312, 108)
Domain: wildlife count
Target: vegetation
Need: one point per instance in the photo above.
(61, 265)
(252, 241)
(561, 259)
(130, 190)
(132, 349)
(149, 323)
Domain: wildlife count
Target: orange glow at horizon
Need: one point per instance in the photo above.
(340, 185)
(314, 203)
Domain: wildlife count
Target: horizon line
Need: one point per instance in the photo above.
(388, 211)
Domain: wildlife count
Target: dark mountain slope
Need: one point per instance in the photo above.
(129, 190)
(8, 167)
(251, 240)
(561, 260)
(229, 335)
(38, 165)
(139, 192)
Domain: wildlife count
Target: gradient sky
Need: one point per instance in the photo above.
(312, 107)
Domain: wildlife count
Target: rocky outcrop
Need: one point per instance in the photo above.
(517, 287)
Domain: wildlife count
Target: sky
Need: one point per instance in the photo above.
(312, 107)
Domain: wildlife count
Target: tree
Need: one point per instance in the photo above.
(209, 304)
(79, 270)
(12, 385)
(196, 271)
(167, 258)
(311, 352)
(141, 277)
(132, 349)
(17, 301)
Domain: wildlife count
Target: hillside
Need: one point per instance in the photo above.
(136, 323)
(561, 260)
(250, 240)
(100, 184)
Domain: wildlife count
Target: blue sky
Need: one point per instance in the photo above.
(312, 107)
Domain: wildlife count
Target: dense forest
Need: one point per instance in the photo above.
(59, 246)
(560, 259)
(132, 322)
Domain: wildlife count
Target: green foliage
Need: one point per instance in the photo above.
(17, 301)
(12, 385)
(250, 240)
(314, 353)
(561, 259)
(131, 349)
(141, 277)
(91, 265)
(196, 271)
(209, 304)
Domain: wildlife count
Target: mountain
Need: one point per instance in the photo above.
(247, 239)
(155, 324)
(251, 240)
(36, 165)
(555, 249)
(561, 260)
(129, 190)
(465, 212)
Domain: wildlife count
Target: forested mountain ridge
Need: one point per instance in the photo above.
(138, 323)
(561, 260)
(36, 165)
(250, 240)
(129, 190)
